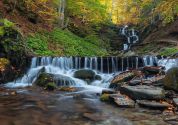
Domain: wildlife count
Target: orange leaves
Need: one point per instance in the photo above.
(42, 8)
(3, 63)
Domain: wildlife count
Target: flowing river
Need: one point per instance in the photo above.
(22, 103)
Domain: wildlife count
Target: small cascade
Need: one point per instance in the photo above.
(63, 68)
(131, 35)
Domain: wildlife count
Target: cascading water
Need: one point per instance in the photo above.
(64, 67)
(131, 35)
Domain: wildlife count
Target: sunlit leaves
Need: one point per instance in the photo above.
(3, 63)
(42, 8)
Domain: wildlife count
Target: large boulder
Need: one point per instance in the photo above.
(85, 74)
(43, 79)
(171, 79)
(60, 80)
(142, 92)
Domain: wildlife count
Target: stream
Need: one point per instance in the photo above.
(22, 103)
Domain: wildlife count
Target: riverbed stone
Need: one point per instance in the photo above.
(122, 100)
(171, 79)
(142, 92)
(153, 104)
(95, 116)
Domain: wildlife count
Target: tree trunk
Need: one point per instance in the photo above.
(61, 13)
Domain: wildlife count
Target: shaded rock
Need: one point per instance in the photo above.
(154, 104)
(158, 80)
(60, 80)
(171, 79)
(152, 70)
(98, 77)
(142, 92)
(135, 82)
(175, 101)
(95, 117)
(116, 86)
(43, 79)
(122, 100)
(85, 74)
(107, 91)
(51, 86)
(147, 82)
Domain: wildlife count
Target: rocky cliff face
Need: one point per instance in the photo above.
(161, 40)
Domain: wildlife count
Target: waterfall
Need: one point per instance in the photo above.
(64, 67)
(131, 35)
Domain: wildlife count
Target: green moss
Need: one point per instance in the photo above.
(169, 51)
(68, 44)
(43, 79)
(5, 24)
(51, 86)
(104, 97)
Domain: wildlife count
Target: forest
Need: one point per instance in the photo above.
(88, 62)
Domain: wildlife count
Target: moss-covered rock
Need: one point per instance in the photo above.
(104, 97)
(171, 79)
(85, 74)
(51, 86)
(43, 79)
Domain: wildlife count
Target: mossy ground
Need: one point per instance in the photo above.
(64, 43)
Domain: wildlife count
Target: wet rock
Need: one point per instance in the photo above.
(152, 70)
(67, 89)
(147, 82)
(95, 116)
(175, 101)
(60, 80)
(98, 77)
(135, 82)
(142, 92)
(158, 80)
(171, 79)
(173, 120)
(175, 55)
(107, 91)
(123, 77)
(43, 79)
(105, 97)
(51, 86)
(85, 74)
(120, 79)
(153, 104)
(122, 100)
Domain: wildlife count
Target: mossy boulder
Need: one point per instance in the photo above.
(171, 79)
(51, 86)
(44, 79)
